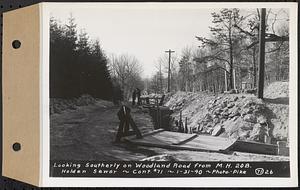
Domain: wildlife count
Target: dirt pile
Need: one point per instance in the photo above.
(57, 105)
(240, 116)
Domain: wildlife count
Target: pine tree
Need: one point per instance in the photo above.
(224, 39)
(101, 73)
(77, 66)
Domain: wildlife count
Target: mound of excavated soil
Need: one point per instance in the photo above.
(240, 116)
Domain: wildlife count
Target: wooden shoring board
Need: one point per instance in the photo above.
(255, 147)
(144, 134)
(183, 141)
(212, 143)
(186, 140)
(160, 136)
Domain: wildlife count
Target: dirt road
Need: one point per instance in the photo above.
(88, 132)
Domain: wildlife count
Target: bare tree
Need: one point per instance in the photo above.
(127, 71)
(160, 77)
(163, 61)
(234, 37)
(186, 69)
(224, 39)
(276, 35)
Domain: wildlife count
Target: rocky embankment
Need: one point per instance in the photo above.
(240, 116)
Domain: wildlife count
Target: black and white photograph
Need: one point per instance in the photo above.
(177, 87)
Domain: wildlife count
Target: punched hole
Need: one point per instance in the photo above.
(16, 44)
(16, 146)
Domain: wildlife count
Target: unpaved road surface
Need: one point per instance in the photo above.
(88, 132)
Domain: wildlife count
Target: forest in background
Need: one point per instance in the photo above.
(78, 65)
(227, 60)
(231, 50)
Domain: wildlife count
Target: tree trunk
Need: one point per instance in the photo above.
(225, 75)
(231, 78)
(254, 67)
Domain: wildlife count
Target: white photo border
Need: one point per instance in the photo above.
(47, 181)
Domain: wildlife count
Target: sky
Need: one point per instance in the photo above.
(144, 31)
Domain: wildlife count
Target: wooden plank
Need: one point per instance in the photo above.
(182, 141)
(145, 134)
(211, 143)
(153, 132)
(173, 137)
(255, 147)
(163, 137)
(186, 140)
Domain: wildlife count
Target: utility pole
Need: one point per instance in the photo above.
(261, 72)
(169, 70)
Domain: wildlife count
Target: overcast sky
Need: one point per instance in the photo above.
(143, 31)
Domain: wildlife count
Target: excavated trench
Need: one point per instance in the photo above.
(161, 117)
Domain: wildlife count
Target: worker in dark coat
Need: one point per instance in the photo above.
(133, 97)
(138, 94)
(126, 120)
(117, 95)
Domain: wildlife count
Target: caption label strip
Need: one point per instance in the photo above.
(168, 169)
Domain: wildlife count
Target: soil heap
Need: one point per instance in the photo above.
(242, 116)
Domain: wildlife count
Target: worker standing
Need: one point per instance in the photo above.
(138, 94)
(133, 97)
